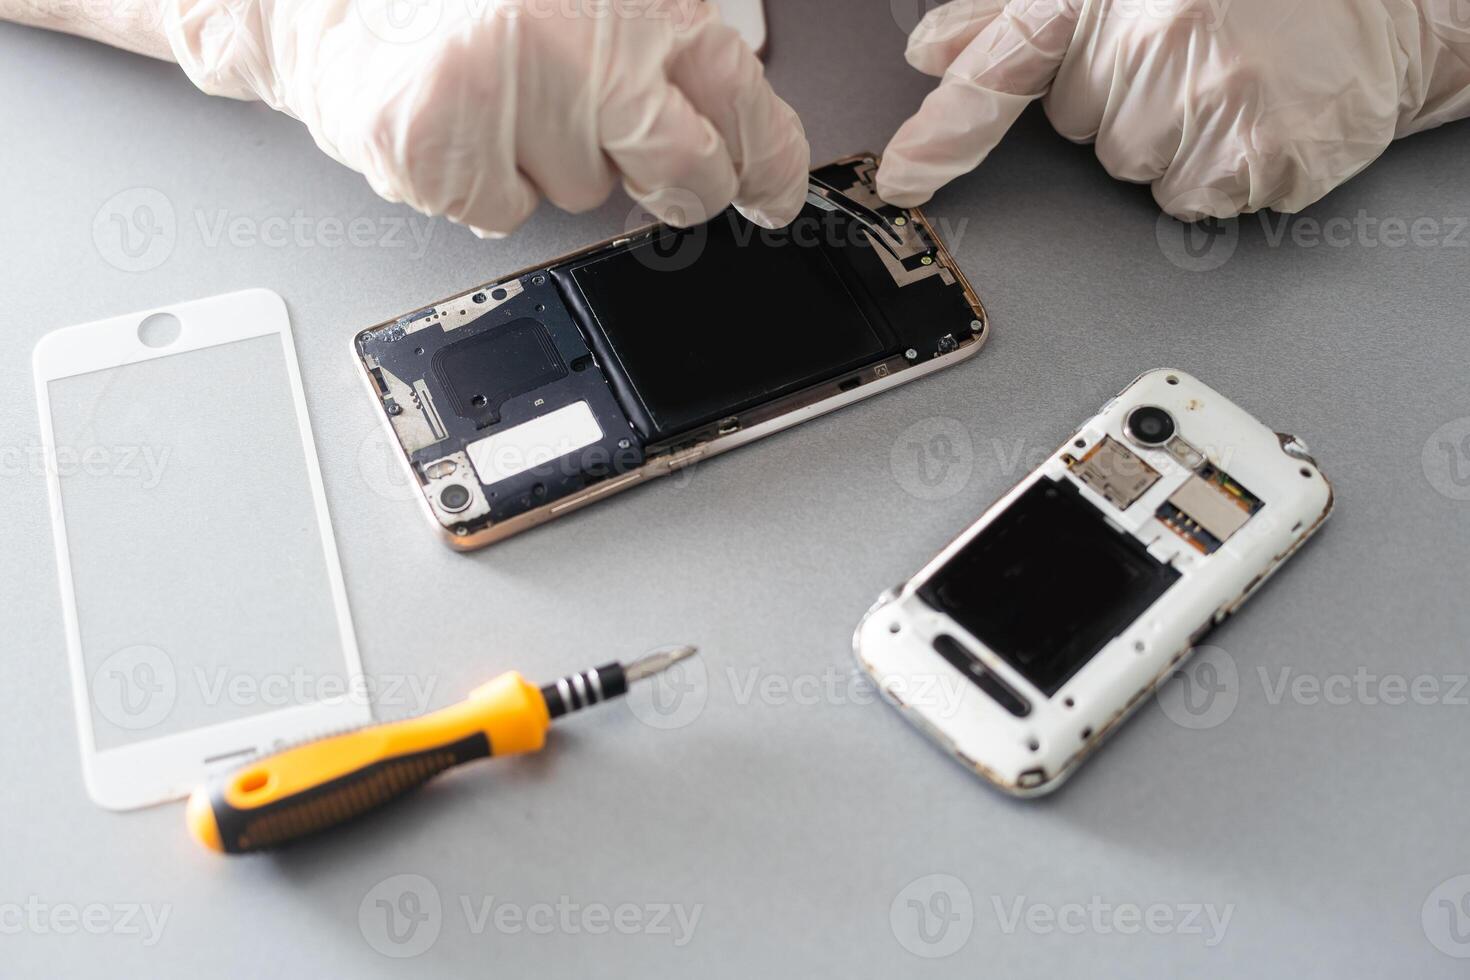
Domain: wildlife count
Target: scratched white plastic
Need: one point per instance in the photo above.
(996, 744)
(240, 497)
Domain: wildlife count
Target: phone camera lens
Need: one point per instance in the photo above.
(1150, 426)
(454, 498)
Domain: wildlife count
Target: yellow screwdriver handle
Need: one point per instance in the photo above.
(305, 789)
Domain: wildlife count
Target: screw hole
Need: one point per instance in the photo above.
(1138, 646)
(1172, 379)
(1080, 443)
(894, 627)
(497, 294)
(478, 401)
(1305, 472)
(1086, 734)
(1034, 745)
(418, 350)
(478, 297)
(1068, 702)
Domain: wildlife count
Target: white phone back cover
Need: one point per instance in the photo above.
(894, 641)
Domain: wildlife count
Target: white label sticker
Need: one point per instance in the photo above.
(535, 443)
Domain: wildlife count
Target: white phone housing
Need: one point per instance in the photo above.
(1032, 755)
(168, 767)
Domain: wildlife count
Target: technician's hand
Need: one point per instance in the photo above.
(478, 110)
(1224, 106)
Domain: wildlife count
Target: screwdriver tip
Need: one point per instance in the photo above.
(657, 662)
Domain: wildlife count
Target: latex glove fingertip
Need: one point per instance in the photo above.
(899, 188)
(780, 212)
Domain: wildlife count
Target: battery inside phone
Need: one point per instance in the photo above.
(530, 389)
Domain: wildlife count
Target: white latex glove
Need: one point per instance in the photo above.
(474, 108)
(1224, 106)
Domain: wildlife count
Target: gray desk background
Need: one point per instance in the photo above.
(792, 816)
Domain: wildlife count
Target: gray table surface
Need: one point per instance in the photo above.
(1308, 821)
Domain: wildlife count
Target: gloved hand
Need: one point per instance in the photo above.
(1224, 106)
(473, 108)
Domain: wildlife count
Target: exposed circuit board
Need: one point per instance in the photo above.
(605, 363)
(1114, 471)
(1208, 508)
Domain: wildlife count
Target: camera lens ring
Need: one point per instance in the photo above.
(455, 497)
(1149, 425)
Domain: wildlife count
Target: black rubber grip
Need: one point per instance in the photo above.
(336, 802)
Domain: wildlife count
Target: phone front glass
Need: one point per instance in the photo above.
(205, 609)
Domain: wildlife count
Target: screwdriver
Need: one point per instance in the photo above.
(310, 787)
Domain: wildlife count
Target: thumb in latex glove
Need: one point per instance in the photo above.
(1223, 106)
(474, 108)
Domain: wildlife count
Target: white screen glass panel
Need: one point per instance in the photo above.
(202, 590)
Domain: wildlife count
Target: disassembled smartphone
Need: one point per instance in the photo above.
(1078, 592)
(533, 395)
